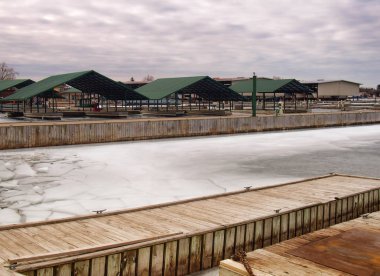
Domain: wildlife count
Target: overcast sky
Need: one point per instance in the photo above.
(314, 39)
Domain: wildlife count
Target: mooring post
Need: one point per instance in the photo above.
(254, 87)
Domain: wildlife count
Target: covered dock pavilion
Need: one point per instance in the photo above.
(90, 83)
(272, 89)
(201, 90)
(8, 87)
(12, 85)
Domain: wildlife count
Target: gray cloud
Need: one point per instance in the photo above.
(123, 38)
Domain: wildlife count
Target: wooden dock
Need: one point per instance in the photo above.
(349, 248)
(45, 116)
(186, 236)
(57, 133)
(114, 114)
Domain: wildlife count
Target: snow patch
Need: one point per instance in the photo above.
(6, 175)
(24, 170)
(9, 216)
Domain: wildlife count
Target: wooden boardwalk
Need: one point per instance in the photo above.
(352, 255)
(186, 236)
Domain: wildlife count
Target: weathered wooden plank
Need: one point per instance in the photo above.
(157, 259)
(350, 207)
(240, 237)
(32, 273)
(259, 235)
(361, 204)
(365, 202)
(326, 215)
(299, 222)
(320, 216)
(63, 270)
(98, 266)
(284, 227)
(143, 261)
(306, 220)
(229, 248)
(267, 238)
(113, 264)
(332, 212)
(128, 263)
(46, 272)
(276, 229)
(170, 259)
(183, 258)
(292, 224)
(376, 200)
(355, 206)
(338, 211)
(249, 236)
(195, 253)
(207, 243)
(218, 253)
(313, 218)
(82, 268)
(344, 209)
(370, 201)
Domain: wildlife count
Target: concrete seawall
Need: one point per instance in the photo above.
(40, 134)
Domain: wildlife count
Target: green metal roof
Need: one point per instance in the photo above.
(203, 86)
(86, 81)
(6, 84)
(271, 86)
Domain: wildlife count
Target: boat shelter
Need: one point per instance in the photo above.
(199, 90)
(8, 87)
(93, 87)
(269, 89)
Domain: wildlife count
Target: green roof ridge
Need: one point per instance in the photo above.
(164, 87)
(6, 84)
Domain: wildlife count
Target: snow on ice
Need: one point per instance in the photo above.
(57, 182)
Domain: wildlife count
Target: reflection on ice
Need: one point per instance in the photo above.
(49, 183)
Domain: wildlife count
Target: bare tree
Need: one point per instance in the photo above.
(6, 72)
(148, 78)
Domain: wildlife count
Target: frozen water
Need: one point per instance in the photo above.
(24, 170)
(9, 184)
(56, 182)
(9, 166)
(9, 216)
(5, 174)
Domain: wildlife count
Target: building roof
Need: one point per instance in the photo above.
(203, 86)
(230, 78)
(7, 84)
(86, 81)
(327, 81)
(270, 86)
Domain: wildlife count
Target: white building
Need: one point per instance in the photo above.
(333, 89)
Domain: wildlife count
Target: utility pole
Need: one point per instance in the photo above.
(254, 88)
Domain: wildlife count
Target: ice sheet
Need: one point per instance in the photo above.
(56, 182)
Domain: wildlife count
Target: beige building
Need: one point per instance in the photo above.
(334, 89)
